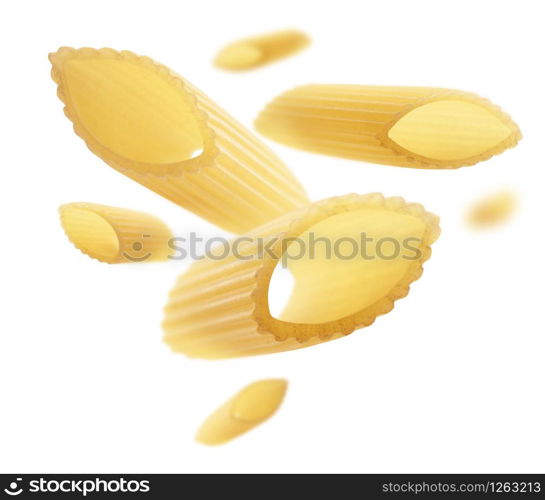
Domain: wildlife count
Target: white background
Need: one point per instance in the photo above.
(450, 381)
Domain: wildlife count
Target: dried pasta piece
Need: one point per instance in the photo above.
(159, 130)
(253, 405)
(261, 50)
(493, 209)
(416, 127)
(219, 308)
(115, 235)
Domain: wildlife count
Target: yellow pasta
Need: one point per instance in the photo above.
(416, 127)
(493, 209)
(261, 50)
(115, 235)
(253, 405)
(219, 308)
(159, 130)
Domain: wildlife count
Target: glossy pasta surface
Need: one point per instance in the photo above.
(156, 128)
(219, 308)
(418, 127)
(115, 235)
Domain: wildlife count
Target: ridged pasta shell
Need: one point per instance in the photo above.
(219, 307)
(419, 127)
(158, 129)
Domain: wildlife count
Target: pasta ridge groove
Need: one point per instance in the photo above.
(115, 235)
(219, 307)
(252, 185)
(346, 120)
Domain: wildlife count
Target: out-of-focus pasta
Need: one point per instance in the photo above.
(493, 209)
(260, 50)
(253, 405)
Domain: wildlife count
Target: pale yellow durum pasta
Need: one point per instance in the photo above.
(159, 130)
(493, 209)
(250, 407)
(219, 308)
(115, 235)
(416, 127)
(261, 50)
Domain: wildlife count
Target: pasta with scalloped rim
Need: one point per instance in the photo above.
(159, 130)
(219, 306)
(419, 127)
(115, 235)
